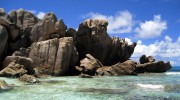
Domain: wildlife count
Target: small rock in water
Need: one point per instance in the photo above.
(28, 78)
(85, 76)
(4, 85)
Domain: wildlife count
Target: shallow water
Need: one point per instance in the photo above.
(151, 86)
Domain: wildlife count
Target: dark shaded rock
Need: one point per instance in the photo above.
(89, 65)
(28, 78)
(92, 38)
(13, 70)
(3, 41)
(158, 67)
(125, 68)
(26, 62)
(4, 86)
(85, 76)
(71, 33)
(143, 59)
(23, 52)
(55, 56)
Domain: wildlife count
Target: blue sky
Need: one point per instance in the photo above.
(154, 24)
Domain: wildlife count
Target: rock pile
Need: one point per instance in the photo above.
(47, 47)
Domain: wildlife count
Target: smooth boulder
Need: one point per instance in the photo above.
(54, 56)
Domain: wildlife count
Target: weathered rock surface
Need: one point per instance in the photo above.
(26, 62)
(24, 19)
(126, 68)
(23, 52)
(143, 59)
(89, 65)
(159, 66)
(48, 28)
(4, 86)
(28, 78)
(3, 41)
(92, 38)
(13, 70)
(55, 56)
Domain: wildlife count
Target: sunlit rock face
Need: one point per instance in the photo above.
(55, 56)
(92, 38)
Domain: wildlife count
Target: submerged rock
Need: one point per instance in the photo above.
(28, 78)
(85, 76)
(55, 56)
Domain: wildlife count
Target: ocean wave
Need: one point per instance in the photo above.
(172, 73)
(150, 86)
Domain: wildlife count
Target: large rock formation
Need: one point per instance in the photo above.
(25, 21)
(92, 38)
(19, 24)
(47, 46)
(55, 56)
(48, 28)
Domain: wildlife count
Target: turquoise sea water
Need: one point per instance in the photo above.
(150, 86)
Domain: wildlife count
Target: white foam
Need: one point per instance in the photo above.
(150, 86)
(172, 73)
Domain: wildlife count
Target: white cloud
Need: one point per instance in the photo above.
(167, 38)
(40, 15)
(121, 22)
(164, 48)
(128, 41)
(152, 28)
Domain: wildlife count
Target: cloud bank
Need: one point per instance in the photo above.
(152, 28)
